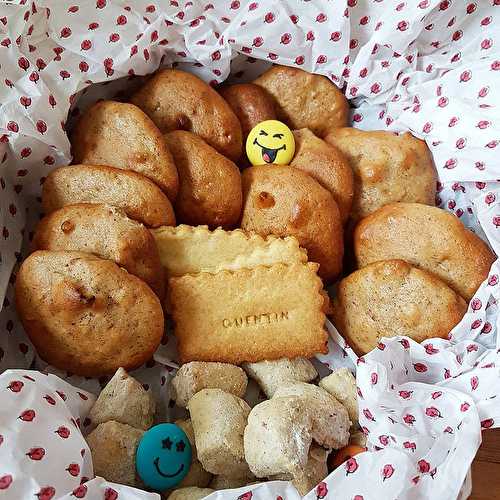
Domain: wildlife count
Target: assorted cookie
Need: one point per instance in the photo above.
(177, 100)
(249, 314)
(428, 238)
(304, 100)
(391, 297)
(210, 183)
(242, 276)
(223, 443)
(386, 167)
(120, 135)
(107, 232)
(140, 198)
(87, 315)
(285, 201)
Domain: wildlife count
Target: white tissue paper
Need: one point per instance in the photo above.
(427, 66)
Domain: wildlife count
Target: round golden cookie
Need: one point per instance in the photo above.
(107, 232)
(120, 135)
(327, 165)
(210, 184)
(387, 168)
(428, 238)
(250, 103)
(177, 100)
(87, 315)
(140, 198)
(304, 100)
(285, 201)
(390, 298)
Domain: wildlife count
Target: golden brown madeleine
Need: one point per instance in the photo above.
(87, 315)
(390, 298)
(285, 201)
(120, 135)
(176, 100)
(250, 103)
(107, 232)
(428, 238)
(387, 168)
(140, 198)
(209, 183)
(327, 165)
(304, 100)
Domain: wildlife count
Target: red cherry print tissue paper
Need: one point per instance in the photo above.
(427, 66)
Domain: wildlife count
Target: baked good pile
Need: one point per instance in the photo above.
(163, 215)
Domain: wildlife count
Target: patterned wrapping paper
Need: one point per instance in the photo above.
(426, 66)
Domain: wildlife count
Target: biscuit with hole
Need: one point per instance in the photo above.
(87, 315)
(107, 232)
(177, 100)
(285, 201)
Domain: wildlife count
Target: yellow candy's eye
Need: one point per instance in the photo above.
(269, 142)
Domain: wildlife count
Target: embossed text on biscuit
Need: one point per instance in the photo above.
(256, 319)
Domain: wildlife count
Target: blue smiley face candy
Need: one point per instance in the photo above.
(163, 456)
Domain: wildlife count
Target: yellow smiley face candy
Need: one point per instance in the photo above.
(270, 141)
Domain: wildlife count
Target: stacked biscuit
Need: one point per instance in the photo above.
(289, 436)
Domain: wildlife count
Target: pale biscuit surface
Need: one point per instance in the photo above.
(113, 446)
(107, 232)
(190, 250)
(190, 493)
(270, 375)
(387, 168)
(197, 475)
(250, 314)
(428, 238)
(219, 420)
(329, 418)
(124, 400)
(140, 198)
(86, 315)
(120, 135)
(305, 100)
(177, 100)
(341, 384)
(389, 298)
(197, 375)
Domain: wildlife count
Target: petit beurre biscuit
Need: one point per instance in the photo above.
(249, 314)
(189, 250)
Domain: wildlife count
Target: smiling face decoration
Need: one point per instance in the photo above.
(163, 456)
(270, 141)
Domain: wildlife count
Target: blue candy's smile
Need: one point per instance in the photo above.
(157, 465)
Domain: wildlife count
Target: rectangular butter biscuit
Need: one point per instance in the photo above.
(189, 250)
(249, 314)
